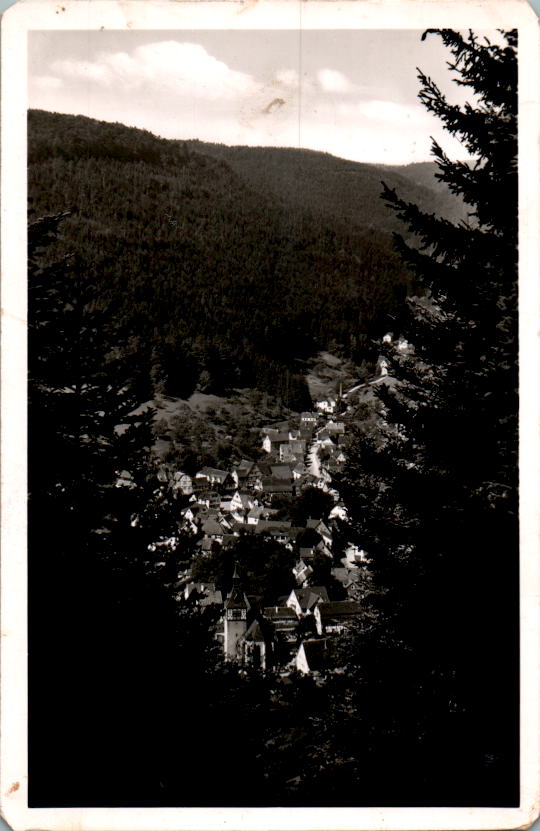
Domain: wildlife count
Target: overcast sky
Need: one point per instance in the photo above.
(349, 93)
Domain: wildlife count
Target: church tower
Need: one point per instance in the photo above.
(235, 623)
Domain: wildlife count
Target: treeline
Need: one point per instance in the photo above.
(225, 286)
(345, 190)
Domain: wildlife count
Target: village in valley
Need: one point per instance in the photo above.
(299, 457)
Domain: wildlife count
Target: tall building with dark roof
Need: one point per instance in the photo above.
(235, 622)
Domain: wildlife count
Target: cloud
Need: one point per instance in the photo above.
(331, 80)
(184, 68)
(47, 82)
(389, 111)
(287, 77)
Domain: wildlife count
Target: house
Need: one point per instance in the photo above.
(336, 427)
(281, 472)
(285, 453)
(254, 477)
(279, 531)
(246, 474)
(339, 511)
(293, 450)
(255, 515)
(327, 405)
(257, 646)
(309, 480)
(283, 619)
(332, 617)
(299, 470)
(241, 505)
(212, 597)
(273, 438)
(322, 530)
(183, 483)
(303, 601)
(212, 529)
(215, 477)
(209, 499)
(322, 549)
(311, 656)
(281, 426)
(207, 592)
(307, 553)
(332, 466)
(324, 438)
(354, 554)
(346, 576)
(302, 571)
(240, 471)
(187, 520)
(277, 487)
(308, 419)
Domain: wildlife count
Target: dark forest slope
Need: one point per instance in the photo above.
(222, 264)
(348, 191)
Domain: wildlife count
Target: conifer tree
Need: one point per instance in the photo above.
(104, 635)
(433, 495)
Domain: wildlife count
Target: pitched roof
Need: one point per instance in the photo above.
(271, 485)
(211, 526)
(276, 437)
(281, 471)
(254, 632)
(267, 526)
(339, 608)
(236, 598)
(315, 654)
(279, 613)
(307, 552)
(348, 577)
(309, 597)
(324, 435)
(336, 426)
(212, 471)
(212, 597)
(244, 466)
(297, 444)
(279, 426)
(301, 564)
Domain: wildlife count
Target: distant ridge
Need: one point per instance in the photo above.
(349, 191)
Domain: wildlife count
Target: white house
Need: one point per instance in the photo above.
(311, 656)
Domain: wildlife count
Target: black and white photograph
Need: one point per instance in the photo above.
(269, 486)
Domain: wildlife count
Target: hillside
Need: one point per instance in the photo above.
(347, 191)
(226, 264)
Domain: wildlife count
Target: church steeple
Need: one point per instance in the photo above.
(236, 609)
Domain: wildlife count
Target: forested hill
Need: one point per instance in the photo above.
(349, 191)
(225, 283)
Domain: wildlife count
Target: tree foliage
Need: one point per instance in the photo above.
(433, 496)
(105, 640)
